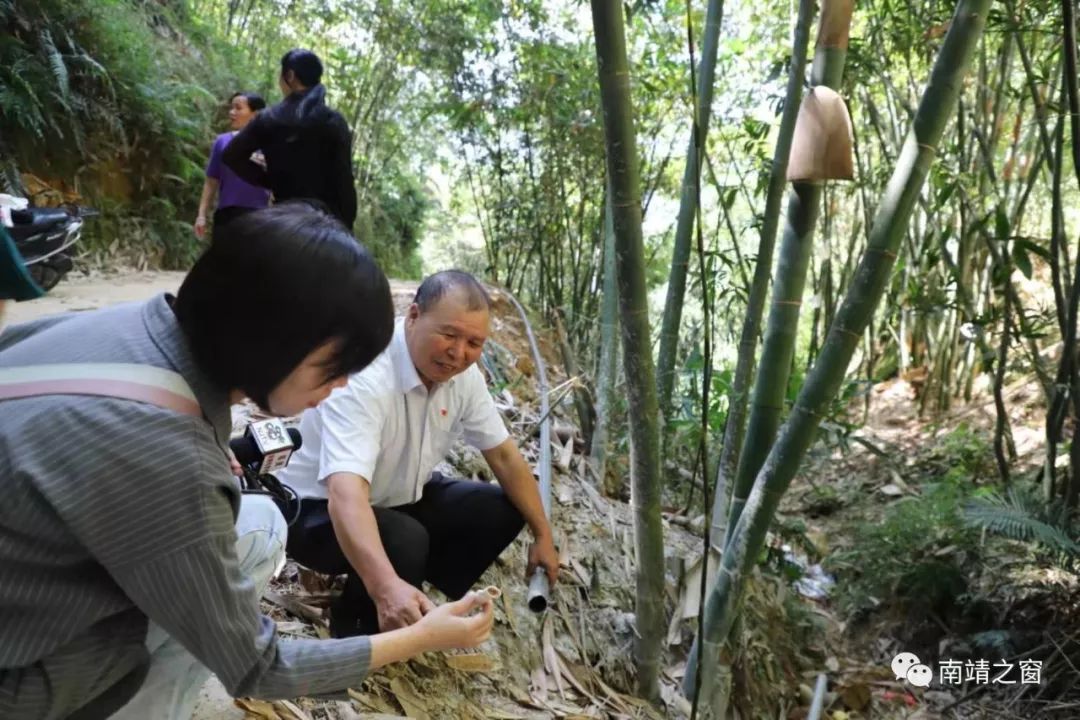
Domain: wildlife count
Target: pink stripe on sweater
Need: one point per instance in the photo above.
(123, 389)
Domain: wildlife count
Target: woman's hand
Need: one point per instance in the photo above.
(234, 465)
(462, 624)
(200, 226)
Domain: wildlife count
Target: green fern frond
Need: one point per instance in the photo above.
(23, 107)
(10, 180)
(56, 64)
(1020, 516)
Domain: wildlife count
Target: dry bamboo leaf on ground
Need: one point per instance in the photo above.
(307, 612)
(579, 675)
(411, 702)
(342, 710)
(293, 627)
(257, 708)
(289, 710)
(508, 611)
(373, 702)
(470, 711)
(472, 663)
(578, 685)
(570, 625)
(538, 692)
(564, 494)
(496, 714)
(581, 573)
(522, 697)
(566, 454)
(551, 660)
(314, 582)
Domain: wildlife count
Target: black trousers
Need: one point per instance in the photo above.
(224, 215)
(448, 538)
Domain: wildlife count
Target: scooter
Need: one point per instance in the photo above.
(44, 237)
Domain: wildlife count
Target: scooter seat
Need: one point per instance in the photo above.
(39, 218)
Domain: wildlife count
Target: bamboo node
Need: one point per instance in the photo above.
(807, 411)
(882, 251)
(852, 333)
(796, 303)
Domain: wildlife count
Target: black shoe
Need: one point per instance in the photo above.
(344, 624)
(346, 621)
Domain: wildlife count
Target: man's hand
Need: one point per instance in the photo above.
(542, 553)
(399, 605)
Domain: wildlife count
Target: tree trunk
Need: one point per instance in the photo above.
(755, 306)
(680, 258)
(804, 203)
(1001, 423)
(609, 352)
(937, 106)
(582, 399)
(637, 353)
(1072, 93)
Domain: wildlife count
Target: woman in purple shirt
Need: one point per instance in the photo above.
(235, 196)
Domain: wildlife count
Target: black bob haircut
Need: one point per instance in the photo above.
(254, 101)
(306, 64)
(275, 285)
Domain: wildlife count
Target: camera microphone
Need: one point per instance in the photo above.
(266, 445)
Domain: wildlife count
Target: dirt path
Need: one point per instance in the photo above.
(95, 291)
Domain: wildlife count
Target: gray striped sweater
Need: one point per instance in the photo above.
(113, 512)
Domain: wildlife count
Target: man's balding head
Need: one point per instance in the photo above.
(464, 285)
(447, 325)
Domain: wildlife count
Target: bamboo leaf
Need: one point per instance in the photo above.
(1001, 222)
(1021, 260)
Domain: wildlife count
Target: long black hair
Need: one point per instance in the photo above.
(308, 69)
(275, 285)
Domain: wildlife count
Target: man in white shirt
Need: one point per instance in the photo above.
(371, 505)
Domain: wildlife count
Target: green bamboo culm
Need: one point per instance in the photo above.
(622, 168)
(796, 249)
(609, 351)
(755, 306)
(936, 109)
(688, 202)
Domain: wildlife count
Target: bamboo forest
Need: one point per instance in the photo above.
(784, 304)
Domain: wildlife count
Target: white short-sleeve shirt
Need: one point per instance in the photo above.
(386, 426)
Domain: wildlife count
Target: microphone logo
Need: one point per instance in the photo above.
(274, 443)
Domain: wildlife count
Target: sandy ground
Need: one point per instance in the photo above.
(87, 292)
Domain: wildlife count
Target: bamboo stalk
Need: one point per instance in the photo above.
(680, 259)
(872, 275)
(755, 306)
(622, 169)
(804, 204)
